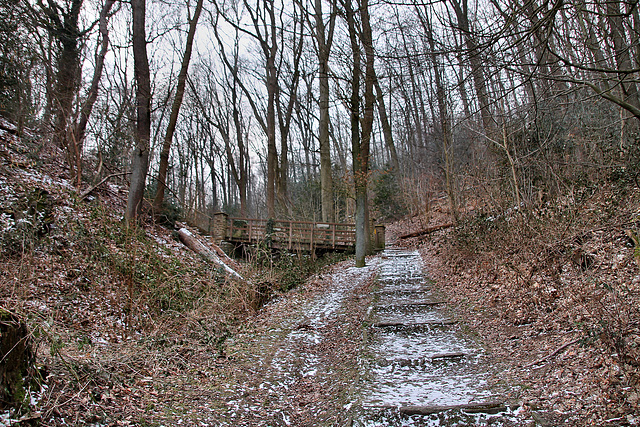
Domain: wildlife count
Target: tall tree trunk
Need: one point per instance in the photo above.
(324, 47)
(175, 110)
(241, 172)
(63, 25)
(367, 118)
(285, 115)
(477, 69)
(266, 34)
(140, 160)
(360, 144)
(270, 51)
(356, 146)
(386, 128)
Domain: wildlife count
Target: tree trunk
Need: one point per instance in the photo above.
(241, 172)
(324, 47)
(87, 108)
(175, 110)
(367, 119)
(285, 115)
(272, 85)
(357, 154)
(65, 29)
(386, 128)
(140, 160)
(477, 70)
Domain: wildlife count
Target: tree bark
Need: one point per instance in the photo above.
(285, 115)
(270, 51)
(63, 26)
(140, 155)
(367, 118)
(358, 153)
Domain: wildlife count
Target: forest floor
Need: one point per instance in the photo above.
(132, 328)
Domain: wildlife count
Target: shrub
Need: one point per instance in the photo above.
(24, 221)
(387, 201)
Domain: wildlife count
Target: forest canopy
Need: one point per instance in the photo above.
(298, 109)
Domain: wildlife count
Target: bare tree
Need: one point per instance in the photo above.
(140, 155)
(324, 40)
(360, 142)
(473, 51)
(77, 141)
(285, 105)
(62, 23)
(175, 109)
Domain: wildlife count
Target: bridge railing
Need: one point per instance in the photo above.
(291, 234)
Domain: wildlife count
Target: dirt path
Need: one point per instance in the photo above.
(363, 347)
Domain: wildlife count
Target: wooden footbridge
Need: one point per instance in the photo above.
(285, 234)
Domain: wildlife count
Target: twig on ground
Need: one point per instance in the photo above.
(558, 350)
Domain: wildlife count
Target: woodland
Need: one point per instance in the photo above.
(499, 137)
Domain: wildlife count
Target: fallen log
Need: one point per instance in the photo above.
(105, 179)
(446, 356)
(225, 258)
(192, 242)
(426, 231)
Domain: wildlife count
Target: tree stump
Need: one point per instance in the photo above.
(18, 357)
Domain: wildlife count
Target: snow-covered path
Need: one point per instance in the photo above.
(366, 347)
(418, 361)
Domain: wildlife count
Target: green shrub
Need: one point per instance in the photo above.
(169, 214)
(24, 221)
(387, 201)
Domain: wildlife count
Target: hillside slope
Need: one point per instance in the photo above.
(554, 290)
(112, 312)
